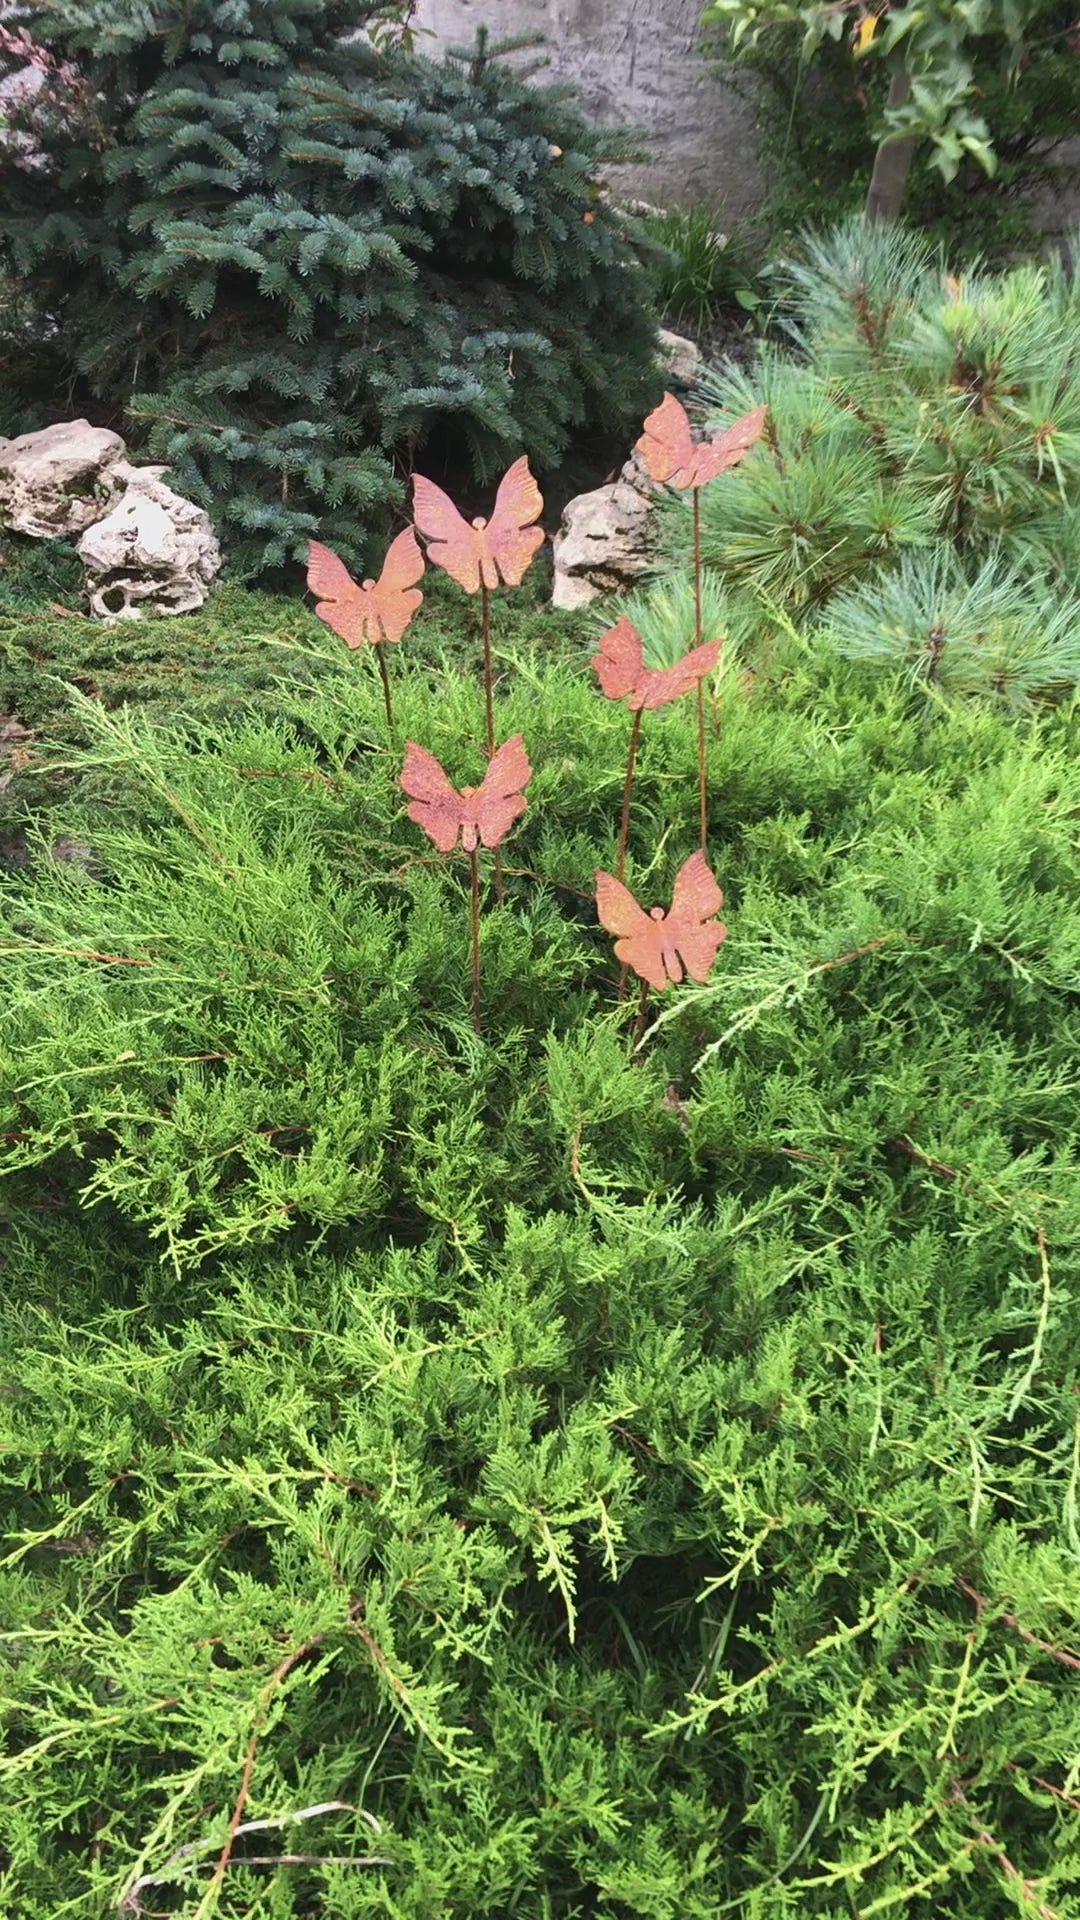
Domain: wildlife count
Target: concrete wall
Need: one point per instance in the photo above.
(635, 63)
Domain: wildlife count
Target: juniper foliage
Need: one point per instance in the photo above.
(536, 1479)
(929, 433)
(293, 253)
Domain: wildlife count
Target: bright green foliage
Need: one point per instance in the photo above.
(931, 43)
(539, 1480)
(923, 450)
(815, 130)
(244, 652)
(294, 256)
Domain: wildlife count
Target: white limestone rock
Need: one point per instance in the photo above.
(58, 481)
(604, 543)
(681, 360)
(154, 552)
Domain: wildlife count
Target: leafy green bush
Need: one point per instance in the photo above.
(929, 433)
(815, 135)
(479, 1476)
(294, 256)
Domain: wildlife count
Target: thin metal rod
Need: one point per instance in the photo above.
(489, 708)
(699, 638)
(699, 622)
(628, 788)
(380, 656)
(489, 687)
(474, 905)
(639, 1024)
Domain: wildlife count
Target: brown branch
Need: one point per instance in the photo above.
(281, 1673)
(984, 1838)
(130, 1902)
(903, 1145)
(1058, 1792)
(72, 953)
(545, 880)
(284, 773)
(1059, 1654)
(311, 1860)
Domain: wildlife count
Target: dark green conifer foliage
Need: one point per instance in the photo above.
(290, 253)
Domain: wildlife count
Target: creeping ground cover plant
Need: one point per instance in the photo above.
(537, 1459)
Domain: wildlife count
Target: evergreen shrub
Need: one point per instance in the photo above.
(289, 254)
(449, 1475)
(922, 453)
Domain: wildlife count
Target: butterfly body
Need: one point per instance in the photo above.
(676, 459)
(480, 816)
(620, 668)
(378, 609)
(483, 552)
(659, 945)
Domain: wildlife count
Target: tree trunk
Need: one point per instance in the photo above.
(892, 162)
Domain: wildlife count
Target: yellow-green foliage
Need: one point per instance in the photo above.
(527, 1477)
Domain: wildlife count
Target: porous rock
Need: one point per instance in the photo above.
(153, 552)
(604, 543)
(681, 360)
(58, 480)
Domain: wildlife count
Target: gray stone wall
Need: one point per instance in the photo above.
(635, 63)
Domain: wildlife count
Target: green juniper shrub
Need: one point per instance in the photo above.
(929, 433)
(522, 1476)
(244, 652)
(291, 255)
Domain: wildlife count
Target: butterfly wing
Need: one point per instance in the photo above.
(691, 927)
(670, 683)
(510, 538)
(346, 608)
(451, 543)
(715, 456)
(498, 800)
(436, 806)
(394, 594)
(666, 444)
(620, 663)
(640, 939)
